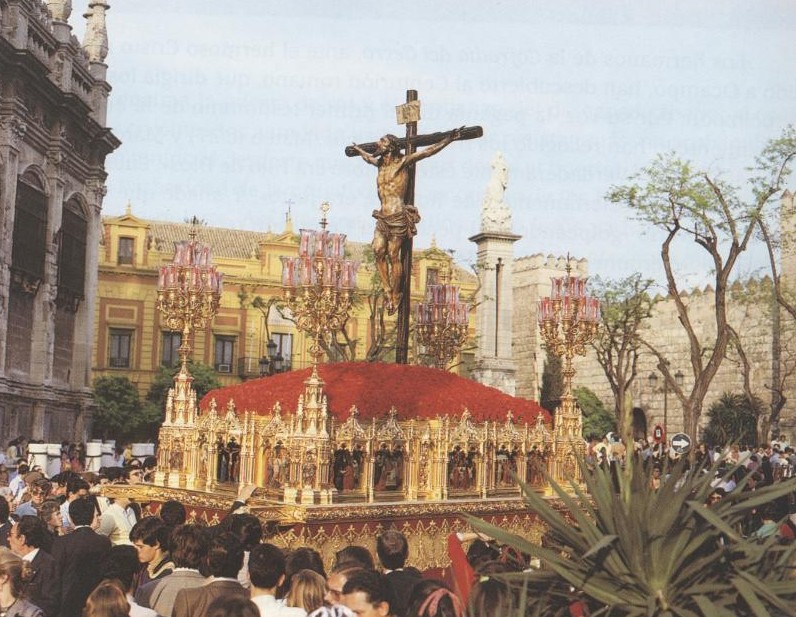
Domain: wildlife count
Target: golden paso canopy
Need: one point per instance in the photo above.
(374, 388)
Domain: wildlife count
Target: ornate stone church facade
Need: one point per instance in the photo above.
(53, 144)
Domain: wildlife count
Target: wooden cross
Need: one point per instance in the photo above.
(409, 115)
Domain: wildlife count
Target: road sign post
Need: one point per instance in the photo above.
(681, 443)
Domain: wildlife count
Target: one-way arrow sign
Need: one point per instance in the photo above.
(681, 443)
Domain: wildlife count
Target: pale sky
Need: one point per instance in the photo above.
(230, 110)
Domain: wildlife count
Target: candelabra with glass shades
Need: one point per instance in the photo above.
(319, 284)
(441, 322)
(188, 296)
(568, 321)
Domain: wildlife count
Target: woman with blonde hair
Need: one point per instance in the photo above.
(307, 589)
(50, 513)
(13, 575)
(107, 600)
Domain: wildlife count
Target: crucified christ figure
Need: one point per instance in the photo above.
(396, 220)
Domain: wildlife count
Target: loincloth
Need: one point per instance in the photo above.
(401, 224)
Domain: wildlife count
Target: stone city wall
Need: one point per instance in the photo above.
(749, 314)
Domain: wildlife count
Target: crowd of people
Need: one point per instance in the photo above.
(68, 551)
(773, 461)
(735, 468)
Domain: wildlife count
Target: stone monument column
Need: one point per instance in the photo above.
(494, 362)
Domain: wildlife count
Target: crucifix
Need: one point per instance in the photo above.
(396, 221)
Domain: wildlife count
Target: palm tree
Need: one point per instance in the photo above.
(733, 419)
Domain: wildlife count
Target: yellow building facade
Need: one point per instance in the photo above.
(131, 338)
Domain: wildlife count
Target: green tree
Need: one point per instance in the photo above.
(779, 236)
(597, 420)
(733, 419)
(552, 383)
(693, 205)
(626, 304)
(119, 414)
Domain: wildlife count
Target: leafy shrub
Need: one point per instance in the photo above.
(628, 550)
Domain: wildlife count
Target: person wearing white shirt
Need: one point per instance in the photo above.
(12, 452)
(17, 484)
(115, 522)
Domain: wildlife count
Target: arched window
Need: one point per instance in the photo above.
(30, 234)
(639, 423)
(28, 251)
(72, 256)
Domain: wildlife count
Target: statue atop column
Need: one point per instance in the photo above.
(495, 213)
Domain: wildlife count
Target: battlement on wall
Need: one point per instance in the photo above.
(750, 285)
(538, 261)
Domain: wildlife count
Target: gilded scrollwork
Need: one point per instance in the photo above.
(351, 429)
(427, 537)
(302, 457)
(466, 431)
(390, 430)
(330, 528)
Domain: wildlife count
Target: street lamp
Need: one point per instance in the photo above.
(272, 363)
(271, 347)
(653, 382)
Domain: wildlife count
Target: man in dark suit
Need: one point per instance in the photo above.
(393, 549)
(28, 539)
(224, 560)
(78, 557)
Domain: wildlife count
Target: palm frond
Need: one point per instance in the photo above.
(628, 550)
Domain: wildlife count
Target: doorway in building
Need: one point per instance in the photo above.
(639, 423)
